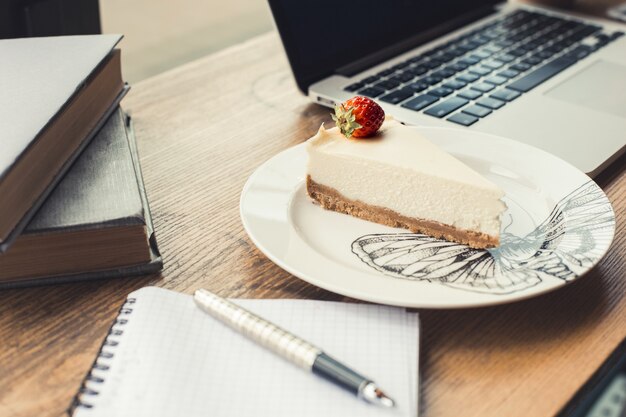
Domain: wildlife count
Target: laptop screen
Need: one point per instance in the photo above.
(321, 36)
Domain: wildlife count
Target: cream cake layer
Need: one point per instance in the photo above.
(401, 171)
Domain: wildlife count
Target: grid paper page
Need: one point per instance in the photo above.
(172, 359)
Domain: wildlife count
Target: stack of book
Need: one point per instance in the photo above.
(72, 200)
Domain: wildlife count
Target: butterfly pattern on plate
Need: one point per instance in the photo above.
(573, 238)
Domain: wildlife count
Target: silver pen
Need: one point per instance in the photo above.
(290, 347)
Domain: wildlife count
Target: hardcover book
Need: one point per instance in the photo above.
(95, 224)
(56, 93)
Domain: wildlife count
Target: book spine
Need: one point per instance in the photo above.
(89, 387)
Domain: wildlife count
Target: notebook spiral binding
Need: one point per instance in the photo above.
(99, 367)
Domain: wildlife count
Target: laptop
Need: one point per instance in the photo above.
(544, 77)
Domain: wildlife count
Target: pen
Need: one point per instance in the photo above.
(297, 351)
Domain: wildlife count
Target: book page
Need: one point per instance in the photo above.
(172, 359)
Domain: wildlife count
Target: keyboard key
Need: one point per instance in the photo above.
(469, 45)
(469, 60)
(462, 49)
(579, 52)
(526, 47)
(397, 96)
(371, 92)
(444, 73)
(432, 63)
(517, 52)
(480, 70)
(560, 45)
(456, 51)
(441, 91)
(476, 110)
(463, 119)
(493, 64)
(529, 46)
(505, 43)
(505, 58)
(493, 47)
(468, 77)
(496, 80)
(445, 56)
(483, 87)
(482, 54)
(417, 86)
(481, 40)
(419, 102)
(492, 103)
(506, 94)
(386, 72)
(371, 79)
(417, 71)
(541, 74)
(387, 84)
(515, 37)
(431, 80)
(521, 67)
(402, 78)
(447, 107)
(354, 87)
(509, 73)
(490, 34)
(455, 84)
(545, 54)
(532, 60)
(470, 94)
(457, 66)
(552, 49)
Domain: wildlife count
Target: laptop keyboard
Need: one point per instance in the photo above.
(478, 73)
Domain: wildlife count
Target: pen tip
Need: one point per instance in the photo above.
(375, 395)
(384, 399)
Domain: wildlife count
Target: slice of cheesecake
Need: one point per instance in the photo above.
(400, 179)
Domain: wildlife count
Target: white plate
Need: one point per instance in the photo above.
(558, 225)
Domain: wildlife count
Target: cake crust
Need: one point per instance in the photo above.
(331, 199)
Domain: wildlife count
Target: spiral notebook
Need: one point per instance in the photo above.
(164, 357)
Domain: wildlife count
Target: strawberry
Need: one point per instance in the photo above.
(358, 117)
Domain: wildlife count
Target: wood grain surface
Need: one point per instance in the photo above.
(202, 130)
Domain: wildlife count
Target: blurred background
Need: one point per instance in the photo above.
(162, 34)
(159, 35)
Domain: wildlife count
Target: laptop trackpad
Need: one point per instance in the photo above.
(600, 86)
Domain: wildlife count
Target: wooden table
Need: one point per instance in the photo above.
(202, 129)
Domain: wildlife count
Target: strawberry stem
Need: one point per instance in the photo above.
(345, 120)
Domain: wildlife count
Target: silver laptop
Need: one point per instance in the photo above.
(550, 79)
